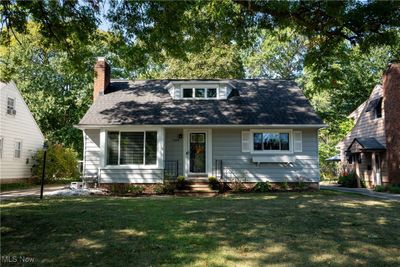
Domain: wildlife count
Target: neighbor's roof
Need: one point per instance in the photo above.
(260, 102)
(368, 143)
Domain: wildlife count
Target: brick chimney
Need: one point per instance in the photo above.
(391, 94)
(102, 77)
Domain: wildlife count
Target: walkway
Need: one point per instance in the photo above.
(361, 191)
(30, 192)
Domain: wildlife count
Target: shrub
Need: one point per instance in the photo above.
(213, 182)
(262, 187)
(166, 188)
(61, 163)
(284, 186)
(119, 188)
(136, 189)
(236, 186)
(180, 182)
(380, 188)
(350, 180)
(394, 189)
(159, 189)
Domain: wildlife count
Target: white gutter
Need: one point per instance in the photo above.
(292, 126)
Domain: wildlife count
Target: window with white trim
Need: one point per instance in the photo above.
(271, 141)
(132, 148)
(1, 147)
(199, 93)
(17, 149)
(11, 106)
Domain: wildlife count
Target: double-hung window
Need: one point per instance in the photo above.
(271, 141)
(132, 148)
(1, 147)
(17, 149)
(11, 106)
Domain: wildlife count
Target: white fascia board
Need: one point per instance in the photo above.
(268, 126)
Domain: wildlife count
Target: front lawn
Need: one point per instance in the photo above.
(283, 229)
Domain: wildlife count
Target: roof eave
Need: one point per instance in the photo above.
(277, 126)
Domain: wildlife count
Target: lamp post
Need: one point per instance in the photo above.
(43, 168)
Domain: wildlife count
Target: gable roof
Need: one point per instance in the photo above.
(368, 144)
(252, 102)
(364, 125)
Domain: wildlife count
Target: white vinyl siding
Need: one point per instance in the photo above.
(22, 127)
(227, 146)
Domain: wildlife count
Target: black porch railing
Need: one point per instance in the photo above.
(171, 169)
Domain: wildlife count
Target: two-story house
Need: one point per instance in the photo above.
(372, 148)
(20, 136)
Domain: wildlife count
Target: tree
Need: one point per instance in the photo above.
(214, 61)
(153, 30)
(57, 91)
(277, 54)
(61, 24)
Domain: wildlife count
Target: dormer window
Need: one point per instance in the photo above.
(206, 90)
(375, 105)
(199, 93)
(378, 109)
(187, 92)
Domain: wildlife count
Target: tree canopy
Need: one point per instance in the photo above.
(335, 50)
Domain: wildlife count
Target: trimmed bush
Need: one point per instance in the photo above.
(213, 182)
(350, 180)
(181, 182)
(61, 163)
(262, 187)
(165, 188)
(135, 189)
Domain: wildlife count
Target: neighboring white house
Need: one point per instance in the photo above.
(254, 130)
(20, 136)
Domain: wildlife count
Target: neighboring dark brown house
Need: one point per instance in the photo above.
(372, 148)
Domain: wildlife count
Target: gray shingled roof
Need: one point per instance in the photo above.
(368, 143)
(261, 102)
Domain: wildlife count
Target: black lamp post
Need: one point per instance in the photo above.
(43, 168)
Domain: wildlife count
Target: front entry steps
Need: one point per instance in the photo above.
(197, 186)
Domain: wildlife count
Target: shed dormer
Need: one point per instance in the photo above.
(199, 90)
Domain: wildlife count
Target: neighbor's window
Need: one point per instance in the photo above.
(11, 106)
(267, 141)
(126, 148)
(378, 109)
(1, 146)
(17, 149)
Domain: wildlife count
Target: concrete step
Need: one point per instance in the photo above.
(198, 180)
(197, 185)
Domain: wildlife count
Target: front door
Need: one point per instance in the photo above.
(197, 152)
(378, 180)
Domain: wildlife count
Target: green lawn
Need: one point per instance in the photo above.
(283, 229)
